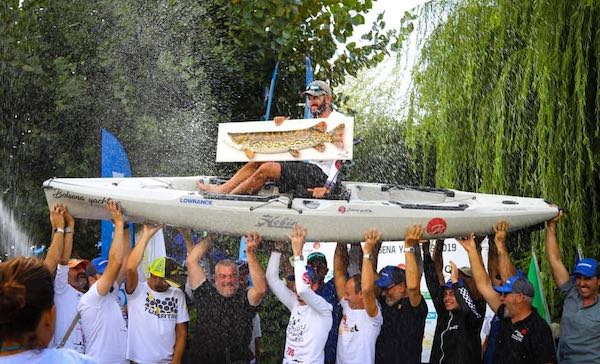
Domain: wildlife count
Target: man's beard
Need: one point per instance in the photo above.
(320, 111)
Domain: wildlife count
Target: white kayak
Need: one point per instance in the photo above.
(390, 208)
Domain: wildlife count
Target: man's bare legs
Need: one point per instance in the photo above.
(269, 171)
(240, 176)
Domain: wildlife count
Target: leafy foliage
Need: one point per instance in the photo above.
(506, 100)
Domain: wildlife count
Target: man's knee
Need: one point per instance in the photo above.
(269, 170)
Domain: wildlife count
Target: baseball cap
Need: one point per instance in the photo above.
(517, 284)
(390, 275)
(587, 267)
(76, 262)
(100, 264)
(317, 88)
(466, 270)
(448, 284)
(169, 270)
(312, 257)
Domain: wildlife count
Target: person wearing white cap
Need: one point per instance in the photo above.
(104, 328)
(313, 178)
(524, 337)
(158, 313)
(580, 321)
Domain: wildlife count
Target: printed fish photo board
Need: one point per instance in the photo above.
(293, 140)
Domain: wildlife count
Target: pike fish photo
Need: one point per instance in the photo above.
(291, 141)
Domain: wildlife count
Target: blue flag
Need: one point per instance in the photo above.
(309, 80)
(115, 163)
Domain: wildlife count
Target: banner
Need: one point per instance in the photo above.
(115, 163)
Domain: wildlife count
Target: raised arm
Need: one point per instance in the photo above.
(187, 238)
(438, 262)
(559, 271)
(505, 265)
(284, 294)
(136, 256)
(413, 275)
(304, 288)
(115, 255)
(372, 237)
(340, 265)
(196, 275)
(69, 234)
(482, 280)
(462, 294)
(259, 284)
(57, 221)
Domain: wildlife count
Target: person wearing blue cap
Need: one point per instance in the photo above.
(524, 337)
(580, 321)
(310, 318)
(403, 307)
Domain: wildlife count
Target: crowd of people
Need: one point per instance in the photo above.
(66, 310)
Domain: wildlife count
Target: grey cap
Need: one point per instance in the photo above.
(317, 88)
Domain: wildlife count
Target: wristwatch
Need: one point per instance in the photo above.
(367, 256)
(58, 230)
(298, 258)
(409, 249)
(68, 230)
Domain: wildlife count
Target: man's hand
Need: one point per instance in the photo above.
(468, 242)
(318, 192)
(115, 211)
(413, 235)
(57, 218)
(252, 242)
(69, 220)
(500, 232)
(150, 229)
(279, 120)
(372, 237)
(453, 272)
(297, 238)
(554, 221)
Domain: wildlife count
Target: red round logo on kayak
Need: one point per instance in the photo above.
(316, 245)
(436, 226)
(342, 209)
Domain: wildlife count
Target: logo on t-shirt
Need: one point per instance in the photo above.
(166, 308)
(518, 335)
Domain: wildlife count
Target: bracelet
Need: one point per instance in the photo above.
(58, 230)
(410, 249)
(367, 256)
(298, 258)
(68, 230)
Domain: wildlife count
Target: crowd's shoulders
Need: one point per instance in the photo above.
(63, 356)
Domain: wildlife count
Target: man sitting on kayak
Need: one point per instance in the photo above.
(318, 178)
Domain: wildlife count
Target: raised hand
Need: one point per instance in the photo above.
(552, 222)
(252, 242)
(413, 235)
(57, 218)
(468, 242)
(279, 120)
(115, 211)
(69, 220)
(297, 238)
(372, 237)
(500, 231)
(150, 229)
(453, 272)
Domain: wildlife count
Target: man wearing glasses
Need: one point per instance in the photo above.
(524, 337)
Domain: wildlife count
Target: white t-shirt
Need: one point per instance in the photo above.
(66, 299)
(309, 325)
(329, 167)
(152, 319)
(104, 328)
(45, 356)
(357, 335)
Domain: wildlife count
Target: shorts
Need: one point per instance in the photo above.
(297, 177)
